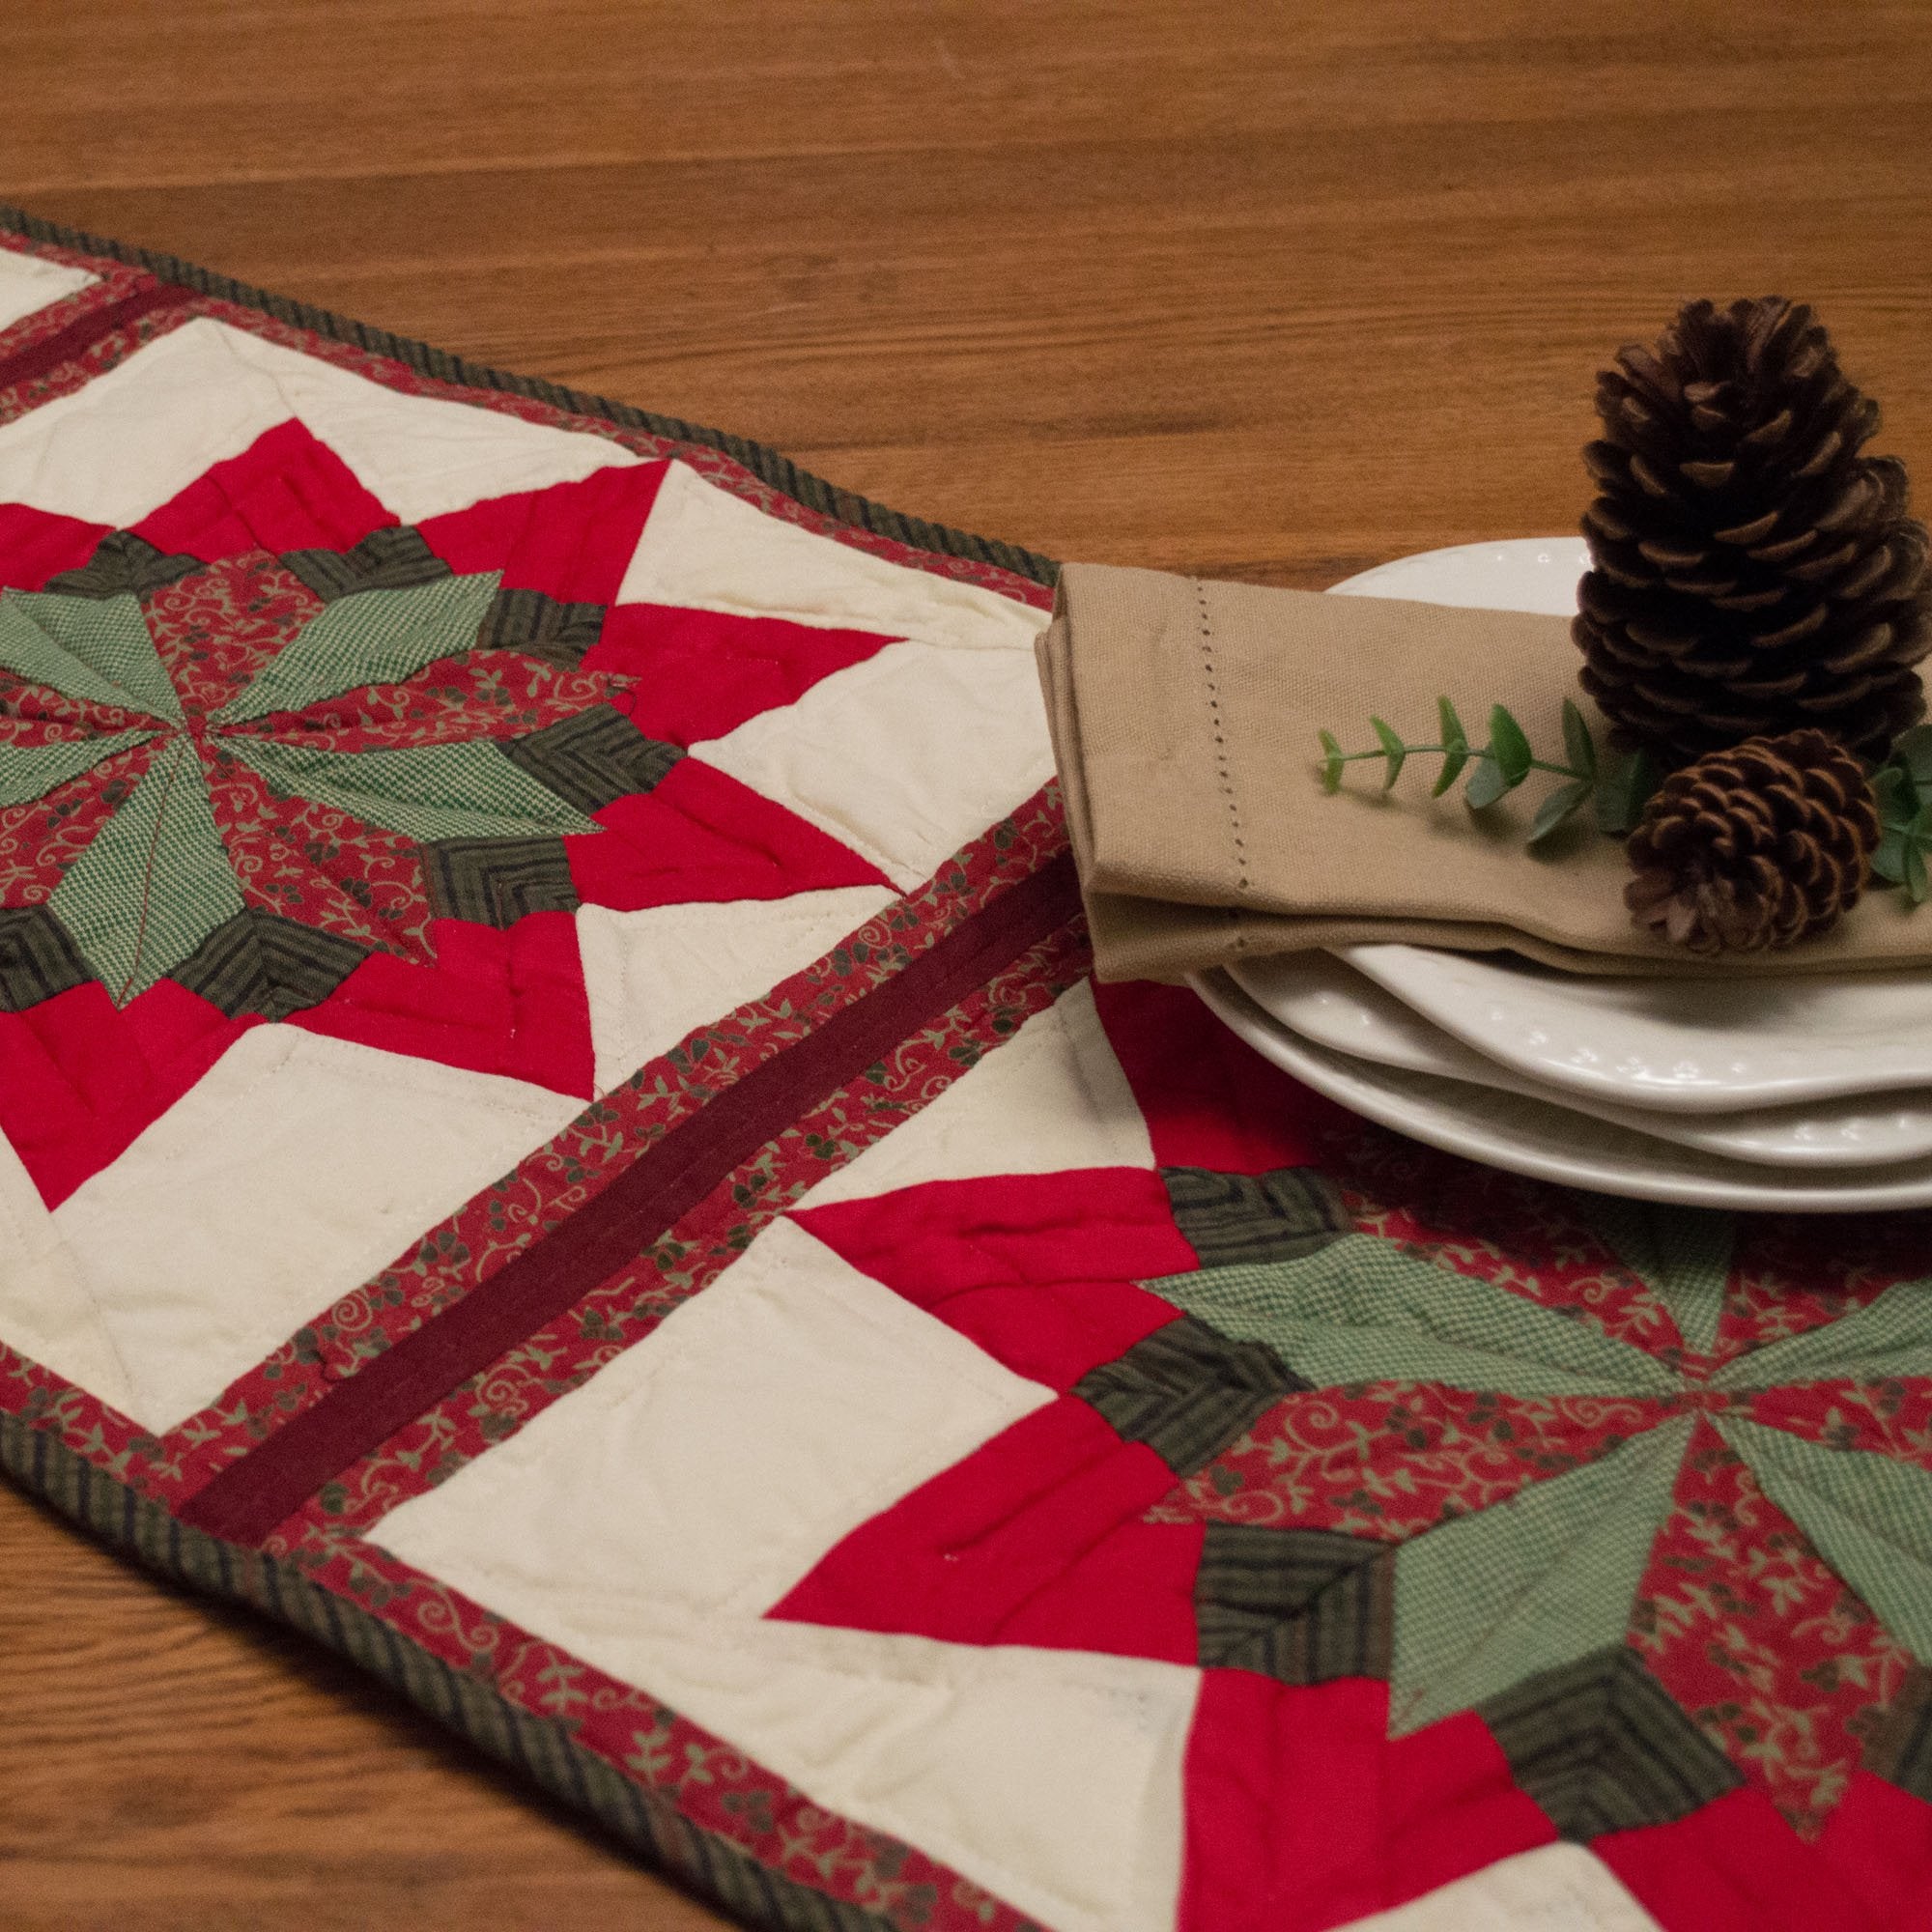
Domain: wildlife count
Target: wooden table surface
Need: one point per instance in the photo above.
(1261, 290)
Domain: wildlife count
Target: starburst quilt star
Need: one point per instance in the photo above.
(272, 757)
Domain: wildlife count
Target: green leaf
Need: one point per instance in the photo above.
(152, 883)
(425, 792)
(1888, 862)
(1916, 886)
(1393, 750)
(1578, 742)
(1623, 791)
(1897, 796)
(1562, 804)
(1455, 747)
(1487, 1600)
(1485, 785)
(1913, 749)
(1510, 745)
(1331, 762)
(371, 637)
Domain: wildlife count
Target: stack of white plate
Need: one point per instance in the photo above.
(1809, 1093)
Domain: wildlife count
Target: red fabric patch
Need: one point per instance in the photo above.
(1880, 1840)
(35, 546)
(1452, 1807)
(1300, 1815)
(1037, 1538)
(78, 1081)
(701, 673)
(39, 841)
(1758, 1637)
(1284, 1804)
(572, 541)
(510, 1003)
(1392, 1459)
(286, 491)
(1209, 1100)
(1038, 1269)
(316, 864)
(1735, 1865)
(700, 835)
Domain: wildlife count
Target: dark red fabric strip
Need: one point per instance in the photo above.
(249, 1498)
(38, 358)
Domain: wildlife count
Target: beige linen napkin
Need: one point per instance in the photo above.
(1184, 714)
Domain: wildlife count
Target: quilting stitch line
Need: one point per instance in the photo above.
(244, 1501)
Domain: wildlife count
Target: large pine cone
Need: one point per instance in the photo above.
(1758, 846)
(1753, 573)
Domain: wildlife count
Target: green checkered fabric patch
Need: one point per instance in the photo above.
(1603, 1747)
(426, 792)
(38, 958)
(32, 771)
(1303, 1606)
(391, 559)
(1360, 1310)
(541, 627)
(96, 650)
(1683, 1255)
(153, 882)
(1187, 1392)
(1869, 1516)
(594, 757)
(1891, 1336)
(496, 882)
(122, 564)
(378, 637)
(1231, 1218)
(259, 962)
(1487, 1600)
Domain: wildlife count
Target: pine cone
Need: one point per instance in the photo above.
(1758, 846)
(1753, 573)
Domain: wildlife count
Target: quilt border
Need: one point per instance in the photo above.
(768, 465)
(117, 1515)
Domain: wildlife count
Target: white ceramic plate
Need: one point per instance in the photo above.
(1697, 1046)
(1552, 1143)
(1706, 1046)
(1323, 1000)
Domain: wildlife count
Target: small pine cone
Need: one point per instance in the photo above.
(1758, 846)
(1751, 572)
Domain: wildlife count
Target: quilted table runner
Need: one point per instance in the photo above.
(559, 1138)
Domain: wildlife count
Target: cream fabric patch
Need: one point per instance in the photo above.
(424, 455)
(903, 757)
(293, 1171)
(130, 440)
(1050, 1099)
(45, 1310)
(30, 282)
(1556, 1888)
(1053, 1779)
(654, 975)
(711, 1465)
(709, 551)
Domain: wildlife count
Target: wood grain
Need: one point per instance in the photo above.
(1269, 290)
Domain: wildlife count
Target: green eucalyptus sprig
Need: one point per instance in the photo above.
(1903, 785)
(1614, 786)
